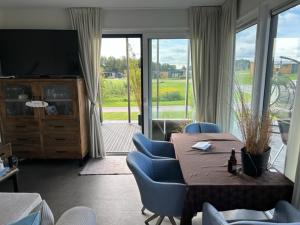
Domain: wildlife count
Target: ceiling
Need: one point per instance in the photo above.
(109, 4)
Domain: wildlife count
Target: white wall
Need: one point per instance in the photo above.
(34, 19)
(145, 19)
(0, 18)
(57, 18)
(245, 7)
(248, 10)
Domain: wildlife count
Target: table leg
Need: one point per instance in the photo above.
(15, 183)
(186, 217)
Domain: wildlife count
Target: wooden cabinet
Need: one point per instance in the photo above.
(56, 131)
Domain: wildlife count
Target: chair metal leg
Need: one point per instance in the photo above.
(276, 156)
(143, 210)
(172, 220)
(159, 221)
(151, 218)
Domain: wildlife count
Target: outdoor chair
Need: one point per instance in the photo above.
(284, 126)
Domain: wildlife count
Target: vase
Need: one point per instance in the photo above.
(140, 119)
(255, 165)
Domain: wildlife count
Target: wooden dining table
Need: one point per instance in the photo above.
(207, 179)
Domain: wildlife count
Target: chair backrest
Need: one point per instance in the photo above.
(192, 128)
(284, 126)
(160, 197)
(142, 144)
(202, 127)
(142, 169)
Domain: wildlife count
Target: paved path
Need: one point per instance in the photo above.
(166, 108)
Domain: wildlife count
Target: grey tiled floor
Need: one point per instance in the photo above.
(115, 198)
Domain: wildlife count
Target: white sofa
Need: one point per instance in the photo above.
(14, 206)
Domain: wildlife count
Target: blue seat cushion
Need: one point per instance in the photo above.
(31, 219)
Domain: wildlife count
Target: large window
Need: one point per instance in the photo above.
(283, 64)
(244, 68)
(171, 83)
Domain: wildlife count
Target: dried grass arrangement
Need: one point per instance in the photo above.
(256, 130)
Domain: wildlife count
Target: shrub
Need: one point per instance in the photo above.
(170, 96)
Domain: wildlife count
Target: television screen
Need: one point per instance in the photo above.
(39, 53)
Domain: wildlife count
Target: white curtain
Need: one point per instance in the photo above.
(205, 49)
(88, 23)
(226, 66)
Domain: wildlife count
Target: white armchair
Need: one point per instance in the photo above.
(14, 206)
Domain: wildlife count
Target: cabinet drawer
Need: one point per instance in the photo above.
(52, 126)
(24, 149)
(61, 154)
(55, 148)
(64, 139)
(23, 139)
(22, 126)
(29, 152)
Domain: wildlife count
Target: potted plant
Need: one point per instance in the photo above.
(256, 135)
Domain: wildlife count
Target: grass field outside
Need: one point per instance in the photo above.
(171, 93)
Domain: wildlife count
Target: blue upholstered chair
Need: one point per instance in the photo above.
(284, 214)
(161, 185)
(203, 127)
(153, 149)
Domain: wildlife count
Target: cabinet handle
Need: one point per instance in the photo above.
(20, 126)
(60, 151)
(59, 126)
(60, 139)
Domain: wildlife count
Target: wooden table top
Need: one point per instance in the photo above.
(200, 168)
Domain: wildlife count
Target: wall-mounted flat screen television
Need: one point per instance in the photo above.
(30, 53)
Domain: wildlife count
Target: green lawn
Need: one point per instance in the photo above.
(243, 77)
(171, 92)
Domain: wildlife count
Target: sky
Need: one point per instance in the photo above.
(174, 51)
(171, 51)
(116, 47)
(287, 42)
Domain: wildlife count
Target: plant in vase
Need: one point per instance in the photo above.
(256, 133)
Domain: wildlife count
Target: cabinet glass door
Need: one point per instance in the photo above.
(15, 97)
(60, 100)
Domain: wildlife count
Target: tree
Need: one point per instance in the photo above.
(135, 81)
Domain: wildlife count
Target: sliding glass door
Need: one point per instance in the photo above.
(244, 64)
(171, 85)
(121, 91)
(282, 77)
(121, 83)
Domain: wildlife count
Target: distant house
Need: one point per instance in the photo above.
(113, 75)
(176, 73)
(288, 68)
